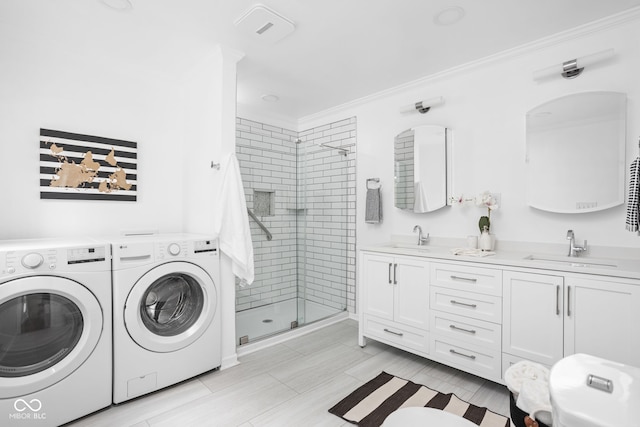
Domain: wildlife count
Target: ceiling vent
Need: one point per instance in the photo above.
(264, 24)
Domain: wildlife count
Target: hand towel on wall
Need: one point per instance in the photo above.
(231, 221)
(633, 204)
(373, 206)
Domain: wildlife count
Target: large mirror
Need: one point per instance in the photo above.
(576, 153)
(421, 169)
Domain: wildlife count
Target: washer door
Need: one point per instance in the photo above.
(48, 327)
(170, 307)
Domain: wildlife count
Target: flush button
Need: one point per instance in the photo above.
(32, 260)
(174, 249)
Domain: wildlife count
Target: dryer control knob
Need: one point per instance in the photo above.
(174, 249)
(32, 260)
(11, 270)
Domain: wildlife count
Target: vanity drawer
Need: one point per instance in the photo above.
(467, 278)
(476, 360)
(401, 336)
(473, 331)
(469, 304)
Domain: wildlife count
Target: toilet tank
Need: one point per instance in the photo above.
(587, 391)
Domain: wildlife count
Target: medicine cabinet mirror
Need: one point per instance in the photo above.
(576, 153)
(421, 169)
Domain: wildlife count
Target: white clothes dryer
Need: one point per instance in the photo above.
(166, 320)
(55, 331)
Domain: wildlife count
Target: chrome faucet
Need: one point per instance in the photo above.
(422, 240)
(573, 249)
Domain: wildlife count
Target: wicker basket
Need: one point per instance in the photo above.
(517, 414)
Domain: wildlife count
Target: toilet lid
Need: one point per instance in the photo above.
(425, 416)
(575, 403)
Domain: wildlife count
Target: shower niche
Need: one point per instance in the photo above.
(264, 202)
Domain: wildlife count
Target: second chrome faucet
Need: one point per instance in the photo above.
(422, 240)
(573, 249)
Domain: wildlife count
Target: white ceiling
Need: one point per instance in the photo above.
(341, 50)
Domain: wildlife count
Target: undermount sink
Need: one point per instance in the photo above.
(414, 247)
(574, 262)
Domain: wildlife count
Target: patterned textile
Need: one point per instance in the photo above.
(633, 204)
(372, 403)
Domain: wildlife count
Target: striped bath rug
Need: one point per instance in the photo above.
(370, 404)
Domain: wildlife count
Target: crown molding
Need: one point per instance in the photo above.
(546, 42)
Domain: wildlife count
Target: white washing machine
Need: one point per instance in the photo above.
(166, 321)
(55, 331)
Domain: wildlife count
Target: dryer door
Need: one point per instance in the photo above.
(170, 306)
(48, 327)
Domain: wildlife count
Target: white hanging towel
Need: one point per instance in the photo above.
(231, 221)
(633, 204)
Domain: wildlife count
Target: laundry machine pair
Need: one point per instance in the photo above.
(55, 331)
(166, 318)
(84, 324)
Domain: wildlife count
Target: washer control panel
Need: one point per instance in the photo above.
(201, 246)
(86, 254)
(174, 249)
(32, 260)
(14, 262)
(186, 248)
(49, 259)
(168, 250)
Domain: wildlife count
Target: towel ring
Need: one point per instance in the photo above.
(375, 181)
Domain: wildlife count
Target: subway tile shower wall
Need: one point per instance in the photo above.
(312, 254)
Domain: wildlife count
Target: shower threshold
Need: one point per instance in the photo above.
(251, 328)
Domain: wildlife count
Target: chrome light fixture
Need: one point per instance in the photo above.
(422, 106)
(573, 68)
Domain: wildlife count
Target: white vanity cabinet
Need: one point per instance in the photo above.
(533, 317)
(481, 316)
(466, 316)
(395, 301)
(550, 316)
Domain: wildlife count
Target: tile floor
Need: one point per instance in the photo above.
(293, 384)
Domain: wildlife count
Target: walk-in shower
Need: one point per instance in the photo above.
(300, 190)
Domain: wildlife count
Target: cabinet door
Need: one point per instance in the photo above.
(377, 285)
(412, 292)
(602, 318)
(532, 307)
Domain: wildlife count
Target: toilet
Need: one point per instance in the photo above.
(588, 391)
(418, 416)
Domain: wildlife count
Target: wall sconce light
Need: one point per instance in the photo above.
(422, 106)
(573, 68)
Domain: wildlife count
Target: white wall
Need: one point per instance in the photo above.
(62, 69)
(45, 88)
(67, 68)
(208, 137)
(485, 106)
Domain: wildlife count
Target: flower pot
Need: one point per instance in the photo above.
(485, 242)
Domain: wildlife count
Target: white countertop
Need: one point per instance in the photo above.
(605, 261)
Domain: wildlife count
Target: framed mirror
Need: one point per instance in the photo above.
(575, 155)
(421, 169)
